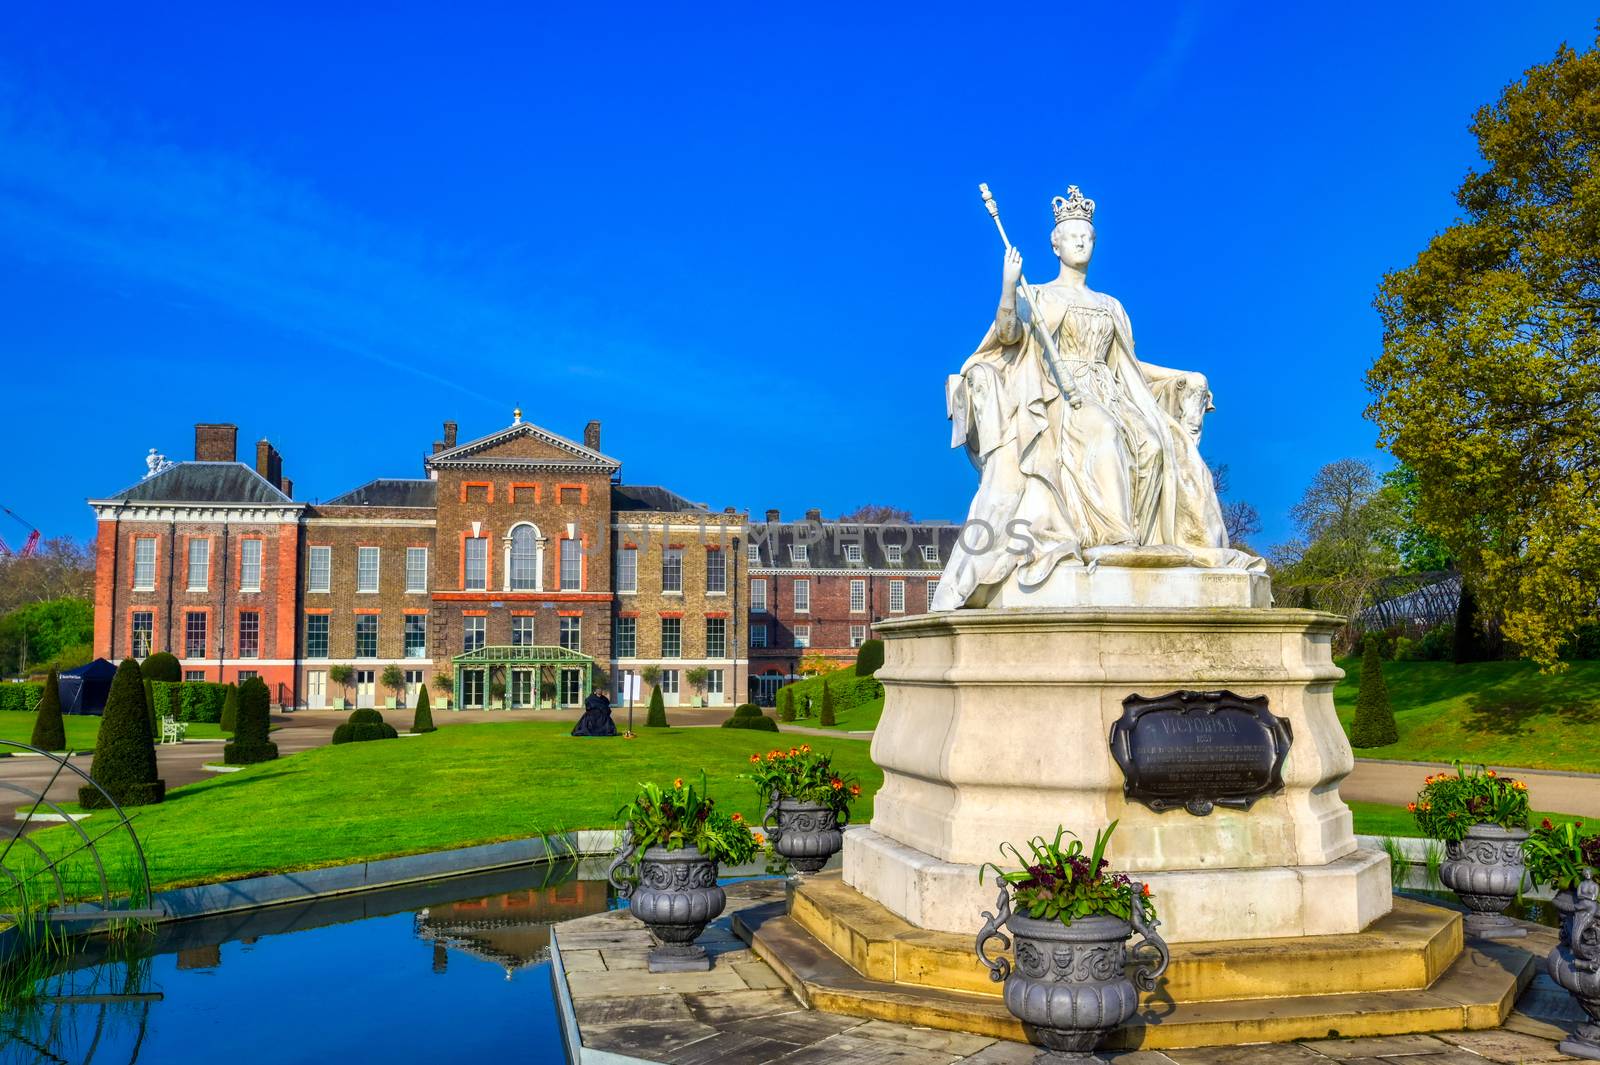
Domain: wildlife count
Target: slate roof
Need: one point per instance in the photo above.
(827, 541)
(390, 492)
(626, 497)
(203, 482)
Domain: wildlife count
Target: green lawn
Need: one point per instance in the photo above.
(1500, 713)
(82, 729)
(461, 785)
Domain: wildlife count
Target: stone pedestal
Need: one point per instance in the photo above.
(995, 728)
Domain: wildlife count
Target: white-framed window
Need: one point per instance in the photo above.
(930, 553)
(893, 552)
(416, 569)
(752, 554)
(477, 563)
(716, 637)
(758, 635)
(858, 635)
(416, 636)
(472, 630)
(250, 565)
(366, 569)
(366, 636)
(802, 596)
(668, 683)
(194, 634)
(933, 586)
(802, 635)
(521, 687)
(628, 570)
(571, 565)
(144, 566)
(522, 630)
(144, 630)
(319, 569)
(800, 553)
(714, 685)
(716, 573)
(572, 634)
(897, 597)
(625, 638)
(672, 569)
(524, 559)
(758, 595)
(671, 637)
(472, 687)
(852, 552)
(858, 596)
(194, 674)
(316, 636)
(199, 565)
(250, 633)
(246, 674)
(413, 681)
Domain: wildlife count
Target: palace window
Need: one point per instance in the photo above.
(144, 628)
(716, 573)
(852, 552)
(572, 634)
(758, 596)
(714, 685)
(893, 552)
(416, 569)
(758, 635)
(199, 565)
(716, 637)
(194, 634)
(800, 553)
(366, 569)
(524, 559)
(858, 596)
(802, 635)
(522, 630)
(668, 683)
(250, 565)
(930, 553)
(416, 636)
(366, 636)
(752, 554)
(316, 636)
(319, 569)
(472, 630)
(144, 564)
(477, 571)
(472, 687)
(249, 634)
(672, 569)
(625, 638)
(858, 635)
(628, 569)
(194, 674)
(571, 565)
(802, 597)
(897, 597)
(933, 586)
(671, 637)
(522, 687)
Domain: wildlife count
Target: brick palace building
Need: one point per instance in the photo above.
(519, 558)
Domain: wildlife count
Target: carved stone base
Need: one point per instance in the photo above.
(1138, 581)
(679, 958)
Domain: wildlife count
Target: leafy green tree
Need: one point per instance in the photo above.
(125, 749)
(1420, 551)
(49, 730)
(869, 657)
(252, 724)
(657, 718)
(230, 709)
(1489, 378)
(1373, 725)
(422, 718)
(1470, 644)
(393, 679)
(41, 631)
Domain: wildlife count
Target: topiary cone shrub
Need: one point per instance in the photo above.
(869, 656)
(125, 750)
(251, 725)
(657, 718)
(1373, 725)
(365, 724)
(230, 709)
(422, 719)
(1469, 644)
(827, 718)
(749, 715)
(163, 665)
(49, 730)
(785, 705)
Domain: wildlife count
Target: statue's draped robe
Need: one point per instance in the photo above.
(1057, 481)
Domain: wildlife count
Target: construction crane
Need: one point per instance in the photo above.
(30, 546)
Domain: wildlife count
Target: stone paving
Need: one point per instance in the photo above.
(740, 1013)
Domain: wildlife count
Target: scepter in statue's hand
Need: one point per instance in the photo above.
(1025, 293)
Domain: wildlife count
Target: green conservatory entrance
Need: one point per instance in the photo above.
(522, 678)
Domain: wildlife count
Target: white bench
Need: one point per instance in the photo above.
(172, 730)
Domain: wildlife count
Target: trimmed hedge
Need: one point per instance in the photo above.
(363, 725)
(1373, 724)
(250, 744)
(49, 731)
(125, 750)
(747, 710)
(827, 719)
(760, 723)
(163, 665)
(422, 719)
(785, 704)
(657, 718)
(202, 700)
(230, 710)
(20, 697)
(869, 656)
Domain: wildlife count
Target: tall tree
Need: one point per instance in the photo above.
(1488, 384)
(1346, 527)
(876, 514)
(61, 568)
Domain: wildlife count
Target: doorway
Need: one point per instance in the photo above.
(366, 687)
(316, 689)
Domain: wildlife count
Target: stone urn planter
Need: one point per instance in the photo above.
(1485, 870)
(676, 897)
(806, 833)
(1070, 986)
(1575, 963)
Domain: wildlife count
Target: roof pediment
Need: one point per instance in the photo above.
(522, 444)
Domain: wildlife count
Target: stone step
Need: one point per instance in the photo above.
(1408, 949)
(1477, 991)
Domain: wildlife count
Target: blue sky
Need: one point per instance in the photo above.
(748, 241)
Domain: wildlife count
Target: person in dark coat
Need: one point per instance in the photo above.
(596, 719)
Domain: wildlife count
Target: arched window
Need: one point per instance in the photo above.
(524, 559)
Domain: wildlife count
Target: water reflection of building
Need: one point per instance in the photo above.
(510, 930)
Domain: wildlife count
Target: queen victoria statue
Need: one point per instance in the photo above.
(1088, 457)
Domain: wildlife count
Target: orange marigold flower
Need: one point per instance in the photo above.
(836, 783)
(758, 837)
(1411, 806)
(772, 756)
(805, 748)
(1491, 772)
(737, 817)
(855, 790)
(1144, 890)
(793, 751)
(1546, 823)
(678, 783)
(755, 759)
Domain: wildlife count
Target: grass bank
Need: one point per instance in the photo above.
(462, 785)
(83, 728)
(1498, 713)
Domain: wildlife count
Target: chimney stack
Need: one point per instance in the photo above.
(813, 515)
(216, 442)
(591, 436)
(449, 435)
(269, 464)
(772, 515)
(288, 487)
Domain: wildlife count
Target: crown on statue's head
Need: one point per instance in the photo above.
(1073, 205)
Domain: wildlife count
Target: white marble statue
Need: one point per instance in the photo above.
(1087, 455)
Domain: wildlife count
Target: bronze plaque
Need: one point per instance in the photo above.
(1199, 750)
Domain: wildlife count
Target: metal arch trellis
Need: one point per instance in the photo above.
(97, 905)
